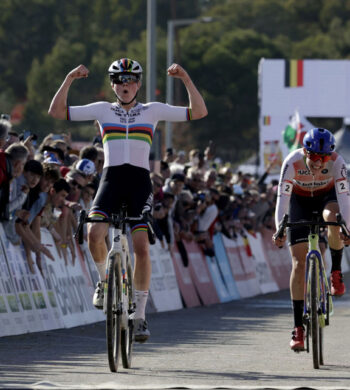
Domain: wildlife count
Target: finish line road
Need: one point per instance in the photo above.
(240, 344)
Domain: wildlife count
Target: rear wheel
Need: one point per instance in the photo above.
(113, 313)
(127, 333)
(314, 322)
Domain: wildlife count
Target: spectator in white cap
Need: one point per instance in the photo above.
(87, 167)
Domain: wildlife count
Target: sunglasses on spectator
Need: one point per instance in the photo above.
(157, 184)
(124, 78)
(324, 157)
(74, 183)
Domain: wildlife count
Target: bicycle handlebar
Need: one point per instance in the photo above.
(284, 224)
(115, 220)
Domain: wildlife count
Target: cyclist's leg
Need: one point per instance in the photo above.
(140, 195)
(106, 202)
(300, 208)
(336, 248)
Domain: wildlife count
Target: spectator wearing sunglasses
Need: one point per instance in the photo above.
(313, 179)
(127, 128)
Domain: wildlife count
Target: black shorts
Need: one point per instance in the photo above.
(301, 208)
(123, 184)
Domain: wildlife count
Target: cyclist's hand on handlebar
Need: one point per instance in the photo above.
(79, 72)
(279, 241)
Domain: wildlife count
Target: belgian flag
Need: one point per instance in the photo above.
(293, 73)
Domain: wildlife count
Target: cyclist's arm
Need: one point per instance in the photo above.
(285, 188)
(58, 106)
(342, 189)
(197, 105)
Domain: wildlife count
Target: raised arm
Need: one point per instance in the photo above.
(58, 106)
(197, 104)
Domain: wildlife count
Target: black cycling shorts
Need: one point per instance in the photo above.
(301, 208)
(123, 184)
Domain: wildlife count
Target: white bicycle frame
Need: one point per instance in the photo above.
(119, 249)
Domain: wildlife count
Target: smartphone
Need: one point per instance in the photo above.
(57, 136)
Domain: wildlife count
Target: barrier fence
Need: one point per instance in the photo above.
(61, 296)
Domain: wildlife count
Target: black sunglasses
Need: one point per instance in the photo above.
(76, 184)
(124, 78)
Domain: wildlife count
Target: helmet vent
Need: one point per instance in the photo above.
(321, 144)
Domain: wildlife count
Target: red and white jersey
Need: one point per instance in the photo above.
(297, 178)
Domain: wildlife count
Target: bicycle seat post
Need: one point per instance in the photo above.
(123, 217)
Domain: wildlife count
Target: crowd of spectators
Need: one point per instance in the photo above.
(198, 196)
(46, 184)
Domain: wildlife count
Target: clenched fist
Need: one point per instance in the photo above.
(79, 72)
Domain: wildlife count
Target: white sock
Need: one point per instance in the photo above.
(140, 300)
(101, 268)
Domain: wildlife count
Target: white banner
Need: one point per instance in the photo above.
(164, 289)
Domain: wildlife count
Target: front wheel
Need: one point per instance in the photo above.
(127, 331)
(113, 308)
(315, 327)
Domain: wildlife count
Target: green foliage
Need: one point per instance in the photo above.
(43, 40)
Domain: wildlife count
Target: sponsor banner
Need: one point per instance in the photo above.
(37, 288)
(11, 320)
(163, 289)
(279, 260)
(184, 280)
(200, 273)
(224, 267)
(263, 271)
(19, 271)
(94, 275)
(218, 279)
(74, 291)
(243, 267)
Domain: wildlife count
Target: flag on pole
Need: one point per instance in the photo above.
(295, 130)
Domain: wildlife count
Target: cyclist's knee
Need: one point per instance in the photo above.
(141, 251)
(97, 233)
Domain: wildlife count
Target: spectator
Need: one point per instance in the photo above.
(19, 189)
(87, 167)
(5, 127)
(11, 166)
(12, 137)
(90, 152)
(164, 170)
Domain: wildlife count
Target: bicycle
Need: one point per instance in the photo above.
(118, 302)
(318, 304)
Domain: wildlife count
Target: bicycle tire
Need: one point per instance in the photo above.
(320, 345)
(127, 334)
(114, 296)
(315, 329)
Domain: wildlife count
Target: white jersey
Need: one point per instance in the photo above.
(127, 135)
(296, 178)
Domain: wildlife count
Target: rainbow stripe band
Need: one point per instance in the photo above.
(141, 227)
(189, 114)
(97, 214)
(139, 132)
(67, 114)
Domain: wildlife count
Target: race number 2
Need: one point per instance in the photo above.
(286, 187)
(342, 186)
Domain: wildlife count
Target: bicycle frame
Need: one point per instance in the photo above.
(322, 282)
(120, 249)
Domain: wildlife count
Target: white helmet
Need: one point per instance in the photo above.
(125, 65)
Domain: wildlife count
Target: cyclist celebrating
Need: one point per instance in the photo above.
(313, 178)
(127, 129)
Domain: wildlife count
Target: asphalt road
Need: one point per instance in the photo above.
(241, 344)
